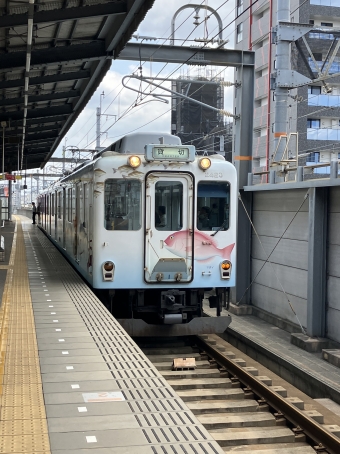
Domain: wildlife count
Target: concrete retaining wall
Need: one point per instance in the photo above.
(272, 213)
(333, 266)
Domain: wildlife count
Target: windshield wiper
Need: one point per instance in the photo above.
(220, 228)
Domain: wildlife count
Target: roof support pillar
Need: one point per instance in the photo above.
(243, 269)
(316, 281)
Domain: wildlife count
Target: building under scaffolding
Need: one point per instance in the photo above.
(198, 125)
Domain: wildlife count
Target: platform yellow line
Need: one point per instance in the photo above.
(23, 424)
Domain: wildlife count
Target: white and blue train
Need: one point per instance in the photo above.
(149, 225)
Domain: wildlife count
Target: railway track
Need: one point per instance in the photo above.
(242, 411)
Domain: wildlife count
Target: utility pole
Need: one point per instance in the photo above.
(98, 128)
(64, 152)
(99, 113)
(282, 58)
(284, 78)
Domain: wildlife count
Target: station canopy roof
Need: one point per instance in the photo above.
(53, 56)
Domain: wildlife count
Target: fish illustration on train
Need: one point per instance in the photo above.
(205, 246)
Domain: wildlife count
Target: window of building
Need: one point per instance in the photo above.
(313, 123)
(314, 157)
(311, 21)
(325, 2)
(239, 32)
(122, 204)
(326, 24)
(239, 4)
(314, 90)
(213, 199)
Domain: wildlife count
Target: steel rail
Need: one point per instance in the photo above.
(311, 428)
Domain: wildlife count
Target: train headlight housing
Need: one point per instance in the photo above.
(225, 268)
(204, 163)
(134, 161)
(108, 269)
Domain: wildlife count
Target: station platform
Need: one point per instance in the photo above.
(272, 347)
(73, 381)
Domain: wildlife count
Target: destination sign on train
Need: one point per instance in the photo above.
(170, 153)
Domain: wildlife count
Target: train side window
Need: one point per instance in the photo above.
(122, 199)
(213, 205)
(168, 205)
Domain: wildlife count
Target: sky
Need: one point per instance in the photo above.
(120, 114)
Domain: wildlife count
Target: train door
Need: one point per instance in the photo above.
(89, 221)
(79, 203)
(48, 219)
(53, 215)
(74, 220)
(64, 214)
(45, 212)
(169, 227)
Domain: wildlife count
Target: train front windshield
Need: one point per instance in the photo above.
(122, 204)
(213, 205)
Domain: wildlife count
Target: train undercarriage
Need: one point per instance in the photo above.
(165, 312)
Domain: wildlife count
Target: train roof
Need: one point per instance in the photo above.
(135, 142)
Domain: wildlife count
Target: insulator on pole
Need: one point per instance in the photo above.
(226, 113)
(227, 83)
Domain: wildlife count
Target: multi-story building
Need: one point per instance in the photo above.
(313, 109)
(197, 124)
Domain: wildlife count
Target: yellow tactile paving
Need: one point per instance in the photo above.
(23, 425)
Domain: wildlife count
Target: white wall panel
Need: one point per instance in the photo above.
(333, 331)
(293, 253)
(275, 302)
(334, 260)
(334, 228)
(333, 266)
(270, 223)
(280, 201)
(273, 211)
(293, 280)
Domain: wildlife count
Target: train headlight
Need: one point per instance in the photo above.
(108, 269)
(225, 268)
(134, 161)
(204, 163)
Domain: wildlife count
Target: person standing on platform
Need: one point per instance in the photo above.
(34, 212)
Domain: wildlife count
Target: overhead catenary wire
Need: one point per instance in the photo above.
(198, 50)
(154, 119)
(141, 65)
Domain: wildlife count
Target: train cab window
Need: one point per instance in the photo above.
(168, 205)
(122, 200)
(213, 199)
